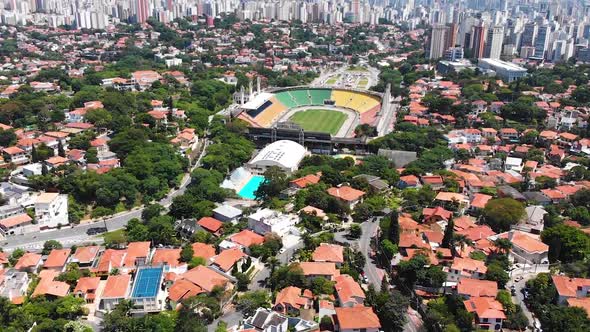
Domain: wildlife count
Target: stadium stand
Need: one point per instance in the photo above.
(362, 103)
(286, 99)
(256, 112)
(341, 97)
(301, 97)
(273, 105)
(319, 95)
(267, 117)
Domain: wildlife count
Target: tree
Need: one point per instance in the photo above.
(187, 253)
(391, 310)
(448, 235)
(7, 137)
(566, 244)
(250, 301)
(196, 261)
(99, 117)
(49, 245)
(15, 255)
(394, 228)
(275, 181)
(60, 149)
(242, 281)
(561, 318)
(501, 213)
(497, 273)
(355, 231)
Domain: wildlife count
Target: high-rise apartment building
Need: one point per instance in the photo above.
(493, 48)
(478, 41)
(437, 41)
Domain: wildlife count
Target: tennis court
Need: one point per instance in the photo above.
(147, 282)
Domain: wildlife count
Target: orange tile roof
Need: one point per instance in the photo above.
(16, 220)
(326, 252)
(319, 269)
(57, 258)
(27, 260)
(247, 238)
(292, 296)
(86, 283)
(567, 286)
(227, 258)
(464, 222)
(205, 278)
(408, 240)
(468, 266)
(170, 257)
(306, 180)
(346, 193)
(116, 286)
(348, 289)
(438, 211)
(477, 233)
(476, 288)
(356, 318)
(86, 254)
(528, 243)
(485, 307)
(183, 289)
(203, 250)
(449, 197)
(136, 250)
(211, 224)
(110, 259)
(480, 200)
(583, 303)
(48, 286)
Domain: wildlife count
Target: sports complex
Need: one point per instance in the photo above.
(334, 111)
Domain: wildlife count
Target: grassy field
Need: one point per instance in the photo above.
(332, 80)
(326, 121)
(363, 83)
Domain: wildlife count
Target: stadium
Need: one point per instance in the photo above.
(328, 111)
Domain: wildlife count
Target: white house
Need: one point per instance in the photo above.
(51, 210)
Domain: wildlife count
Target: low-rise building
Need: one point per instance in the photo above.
(354, 319)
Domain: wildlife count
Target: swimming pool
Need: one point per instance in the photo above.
(250, 187)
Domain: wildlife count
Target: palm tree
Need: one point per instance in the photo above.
(460, 240)
(502, 245)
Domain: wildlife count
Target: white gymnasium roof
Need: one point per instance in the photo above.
(285, 154)
(257, 101)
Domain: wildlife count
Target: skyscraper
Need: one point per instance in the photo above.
(493, 47)
(478, 41)
(542, 41)
(528, 35)
(451, 37)
(437, 41)
(142, 10)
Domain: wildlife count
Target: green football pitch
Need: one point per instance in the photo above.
(326, 121)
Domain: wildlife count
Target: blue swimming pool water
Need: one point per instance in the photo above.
(250, 188)
(147, 282)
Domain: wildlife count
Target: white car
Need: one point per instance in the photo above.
(282, 250)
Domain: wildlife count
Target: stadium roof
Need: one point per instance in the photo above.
(257, 101)
(285, 154)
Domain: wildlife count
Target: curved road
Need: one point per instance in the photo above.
(77, 234)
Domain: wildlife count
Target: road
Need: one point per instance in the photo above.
(76, 235)
(363, 244)
(260, 278)
(518, 298)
